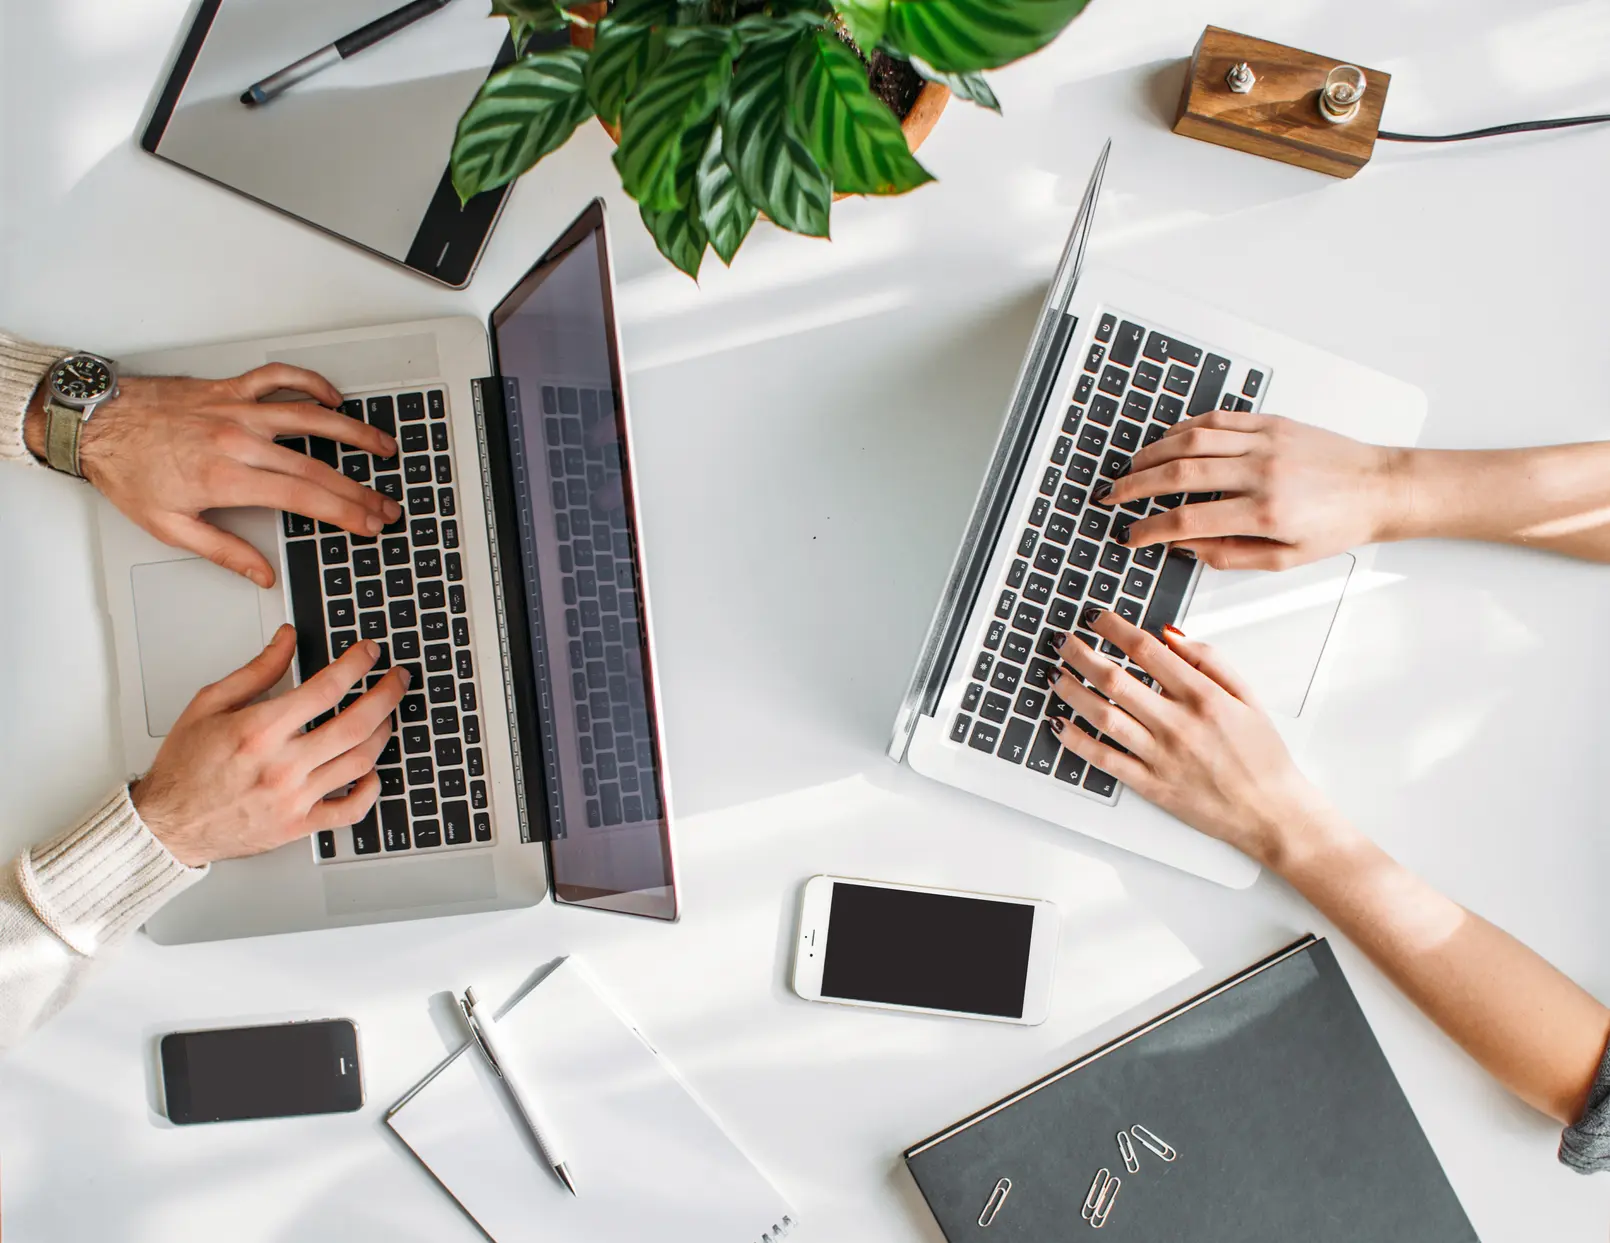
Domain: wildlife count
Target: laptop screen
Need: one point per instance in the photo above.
(570, 469)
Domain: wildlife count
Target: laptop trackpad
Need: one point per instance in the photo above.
(1272, 628)
(196, 622)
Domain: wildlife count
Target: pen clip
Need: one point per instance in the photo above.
(475, 1031)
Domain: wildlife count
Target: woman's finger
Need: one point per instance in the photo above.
(256, 677)
(1242, 552)
(1106, 716)
(332, 813)
(272, 378)
(1093, 751)
(1190, 440)
(1221, 420)
(1204, 659)
(1170, 670)
(1236, 515)
(1191, 474)
(357, 722)
(350, 765)
(303, 418)
(220, 547)
(1109, 679)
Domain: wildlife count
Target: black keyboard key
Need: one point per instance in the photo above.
(1138, 583)
(394, 551)
(1104, 329)
(1177, 381)
(1114, 557)
(422, 532)
(1080, 470)
(1092, 440)
(483, 826)
(1060, 529)
(1016, 649)
(449, 507)
(1083, 554)
(366, 834)
(1070, 421)
(1126, 343)
(1026, 545)
(437, 401)
(338, 582)
(1137, 406)
(415, 739)
(333, 549)
(450, 782)
(1253, 384)
(1005, 677)
(421, 501)
(1070, 500)
(432, 595)
(1126, 436)
(1027, 618)
(984, 736)
(428, 563)
(1099, 782)
(1168, 601)
(1038, 588)
(1104, 588)
(405, 646)
(1169, 410)
(1094, 357)
(456, 822)
(1081, 390)
(1015, 744)
(410, 406)
(1061, 449)
(1030, 703)
(1115, 465)
(994, 635)
(417, 470)
(1005, 605)
(297, 526)
(1039, 510)
(414, 439)
(1209, 384)
(370, 595)
(412, 708)
(341, 613)
(440, 689)
(365, 563)
(1041, 674)
(1062, 614)
(394, 824)
(1228, 403)
(1072, 584)
(1150, 556)
(1103, 410)
(420, 770)
(1048, 561)
(981, 666)
(461, 632)
(1243, 405)
(1043, 755)
(324, 450)
(1113, 380)
(1049, 481)
(438, 658)
(444, 469)
(1070, 767)
(422, 802)
(438, 437)
(1154, 433)
(400, 583)
(444, 719)
(402, 614)
(960, 726)
(1093, 524)
(1014, 578)
(327, 844)
(995, 707)
(971, 697)
(427, 833)
(307, 607)
(1148, 376)
(1129, 610)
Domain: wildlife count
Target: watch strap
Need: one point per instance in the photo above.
(63, 427)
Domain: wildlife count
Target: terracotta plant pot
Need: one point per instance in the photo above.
(916, 126)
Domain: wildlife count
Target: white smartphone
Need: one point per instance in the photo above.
(932, 951)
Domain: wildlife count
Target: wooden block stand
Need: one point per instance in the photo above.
(1279, 118)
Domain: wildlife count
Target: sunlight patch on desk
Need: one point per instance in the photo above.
(705, 339)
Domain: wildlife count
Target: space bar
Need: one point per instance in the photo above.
(1168, 601)
(307, 606)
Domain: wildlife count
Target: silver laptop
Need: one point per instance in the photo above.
(513, 585)
(1113, 364)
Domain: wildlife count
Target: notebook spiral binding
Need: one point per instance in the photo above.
(778, 1231)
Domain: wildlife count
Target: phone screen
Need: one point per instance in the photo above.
(938, 951)
(262, 1072)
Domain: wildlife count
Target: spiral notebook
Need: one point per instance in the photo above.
(650, 1162)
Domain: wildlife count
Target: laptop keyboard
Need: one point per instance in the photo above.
(602, 639)
(1135, 382)
(405, 590)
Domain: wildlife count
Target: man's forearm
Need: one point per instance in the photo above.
(1533, 1029)
(1556, 497)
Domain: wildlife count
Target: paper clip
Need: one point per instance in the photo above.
(1126, 1149)
(1098, 1187)
(1104, 1203)
(1152, 1143)
(992, 1206)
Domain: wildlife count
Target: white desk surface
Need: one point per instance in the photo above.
(812, 428)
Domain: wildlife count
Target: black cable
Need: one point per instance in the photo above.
(1517, 127)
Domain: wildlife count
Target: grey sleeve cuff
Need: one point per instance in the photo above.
(96, 883)
(22, 366)
(1585, 1147)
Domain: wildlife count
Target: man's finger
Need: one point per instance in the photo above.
(325, 689)
(1206, 660)
(332, 813)
(277, 458)
(357, 722)
(298, 496)
(352, 763)
(219, 547)
(303, 418)
(256, 677)
(1203, 520)
(272, 378)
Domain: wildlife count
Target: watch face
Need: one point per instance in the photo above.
(81, 379)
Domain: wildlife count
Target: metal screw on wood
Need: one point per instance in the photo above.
(1240, 79)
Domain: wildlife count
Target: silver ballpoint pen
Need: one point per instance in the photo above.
(484, 1030)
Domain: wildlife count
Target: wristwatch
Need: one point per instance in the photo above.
(73, 390)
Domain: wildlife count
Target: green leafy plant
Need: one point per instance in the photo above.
(725, 109)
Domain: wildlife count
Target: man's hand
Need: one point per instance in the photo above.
(1291, 493)
(237, 778)
(164, 450)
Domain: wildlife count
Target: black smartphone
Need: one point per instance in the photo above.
(282, 1071)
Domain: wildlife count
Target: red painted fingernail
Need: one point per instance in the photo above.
(1175, 630)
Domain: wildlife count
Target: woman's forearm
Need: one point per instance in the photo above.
(1533, 1029)
(1556, 497)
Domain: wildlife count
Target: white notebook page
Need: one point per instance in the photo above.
(650, 1164)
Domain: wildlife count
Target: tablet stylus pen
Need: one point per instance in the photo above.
(484, 1029)
(333, 53)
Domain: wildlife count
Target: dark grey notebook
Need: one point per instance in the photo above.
(1261, 1111)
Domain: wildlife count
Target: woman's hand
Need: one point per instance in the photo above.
(1291, 493)
(237, 778)
(1203, 750)
(164, 450)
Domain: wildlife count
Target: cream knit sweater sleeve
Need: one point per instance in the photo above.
(68, 900)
